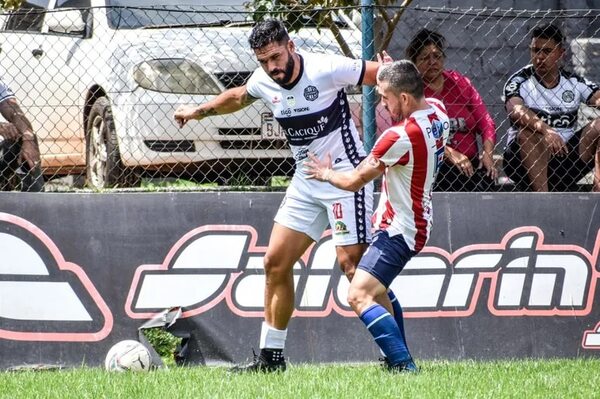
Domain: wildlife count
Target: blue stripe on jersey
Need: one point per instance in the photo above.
(303, 129)
(352, 152)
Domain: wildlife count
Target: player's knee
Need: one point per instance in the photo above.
(275, 268)
(357, 298)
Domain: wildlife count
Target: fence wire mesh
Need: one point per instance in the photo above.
(99, 86)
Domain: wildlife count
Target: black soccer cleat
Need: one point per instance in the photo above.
(406, 366)
(269, 361)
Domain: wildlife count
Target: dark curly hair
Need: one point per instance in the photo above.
(267, 32)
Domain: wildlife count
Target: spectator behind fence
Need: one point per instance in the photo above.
(19, 152)
(544, 152)
(463, 169)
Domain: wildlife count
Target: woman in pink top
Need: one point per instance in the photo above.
(464, 168)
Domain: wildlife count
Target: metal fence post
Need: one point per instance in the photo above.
(368, 45)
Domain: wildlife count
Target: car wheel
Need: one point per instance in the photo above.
(103, 160)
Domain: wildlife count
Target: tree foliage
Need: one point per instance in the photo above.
(296, 13)
(9, 4)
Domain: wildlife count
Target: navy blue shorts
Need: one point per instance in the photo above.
(386, 257)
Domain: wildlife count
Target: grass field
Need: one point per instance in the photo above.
(506, 379)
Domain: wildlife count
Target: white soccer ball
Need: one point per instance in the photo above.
(128, 355)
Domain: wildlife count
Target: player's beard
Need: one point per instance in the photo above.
(287, 72)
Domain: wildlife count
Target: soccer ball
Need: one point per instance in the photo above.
(128, 355)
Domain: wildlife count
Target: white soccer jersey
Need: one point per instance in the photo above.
(314, 111)
(5, 92)
(411, 152)
(556, 106)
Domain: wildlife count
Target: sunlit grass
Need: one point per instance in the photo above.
(468, 379)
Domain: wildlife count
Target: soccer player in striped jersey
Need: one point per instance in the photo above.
(408, 156)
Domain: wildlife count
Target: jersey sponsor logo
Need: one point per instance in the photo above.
(302, 109)
(44, 297)
(308, 132)
(562, 120)
(286, 112)
(522, 275)
(568, 96)
(340, 228)
(275, 100)
(311, 93)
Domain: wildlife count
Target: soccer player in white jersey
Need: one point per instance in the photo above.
(306, 93)
(544, 151)
(408, 155)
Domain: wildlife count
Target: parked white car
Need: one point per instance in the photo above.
(100, 86)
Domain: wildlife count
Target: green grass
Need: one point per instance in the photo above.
(507, 379)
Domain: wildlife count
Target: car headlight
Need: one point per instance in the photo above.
(174, 76)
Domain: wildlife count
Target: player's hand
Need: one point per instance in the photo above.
(317, 169)
(30, 153)
(487, 161)
(555, 143)
(184, 113)
(384, 58)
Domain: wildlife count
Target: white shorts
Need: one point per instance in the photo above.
(348, 214)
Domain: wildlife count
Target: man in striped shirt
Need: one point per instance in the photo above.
(408, 155)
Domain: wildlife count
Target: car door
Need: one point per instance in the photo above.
(63, 91)
(20, 41)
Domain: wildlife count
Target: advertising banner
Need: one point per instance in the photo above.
(506, 275)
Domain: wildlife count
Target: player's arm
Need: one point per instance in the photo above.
(229, 101)
(369, 169)
(525, 118)
(372, 67)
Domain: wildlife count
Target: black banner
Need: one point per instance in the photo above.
(503, 276)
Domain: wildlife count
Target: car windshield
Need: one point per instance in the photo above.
(134, 14)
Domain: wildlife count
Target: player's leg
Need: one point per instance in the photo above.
(298, 224)
(382, 262)
(589, 148)
(535, 156)
(348, 258)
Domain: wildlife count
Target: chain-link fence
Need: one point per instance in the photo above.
(100, 85)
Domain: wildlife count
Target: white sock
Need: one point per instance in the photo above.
(272, 338)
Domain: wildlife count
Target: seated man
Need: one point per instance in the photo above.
(544, 152)
(19, 152)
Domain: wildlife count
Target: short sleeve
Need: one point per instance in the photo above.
(587, 88)
(253, 86)
(392, 146)
(5, 92)
(347, 71)
(512, 88)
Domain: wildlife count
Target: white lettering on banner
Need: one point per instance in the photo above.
(526, 278)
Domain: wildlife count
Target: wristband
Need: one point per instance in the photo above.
(327, 174)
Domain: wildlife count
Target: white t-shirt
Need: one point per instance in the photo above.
(412, 152)
(5, 92)
(556, 106)
(314, 110)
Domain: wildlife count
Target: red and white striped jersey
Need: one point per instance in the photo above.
(411, 151)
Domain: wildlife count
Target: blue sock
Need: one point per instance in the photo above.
(397, 312)
(398, 316)
(384, 329)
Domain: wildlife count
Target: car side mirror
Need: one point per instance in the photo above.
(67, 20)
